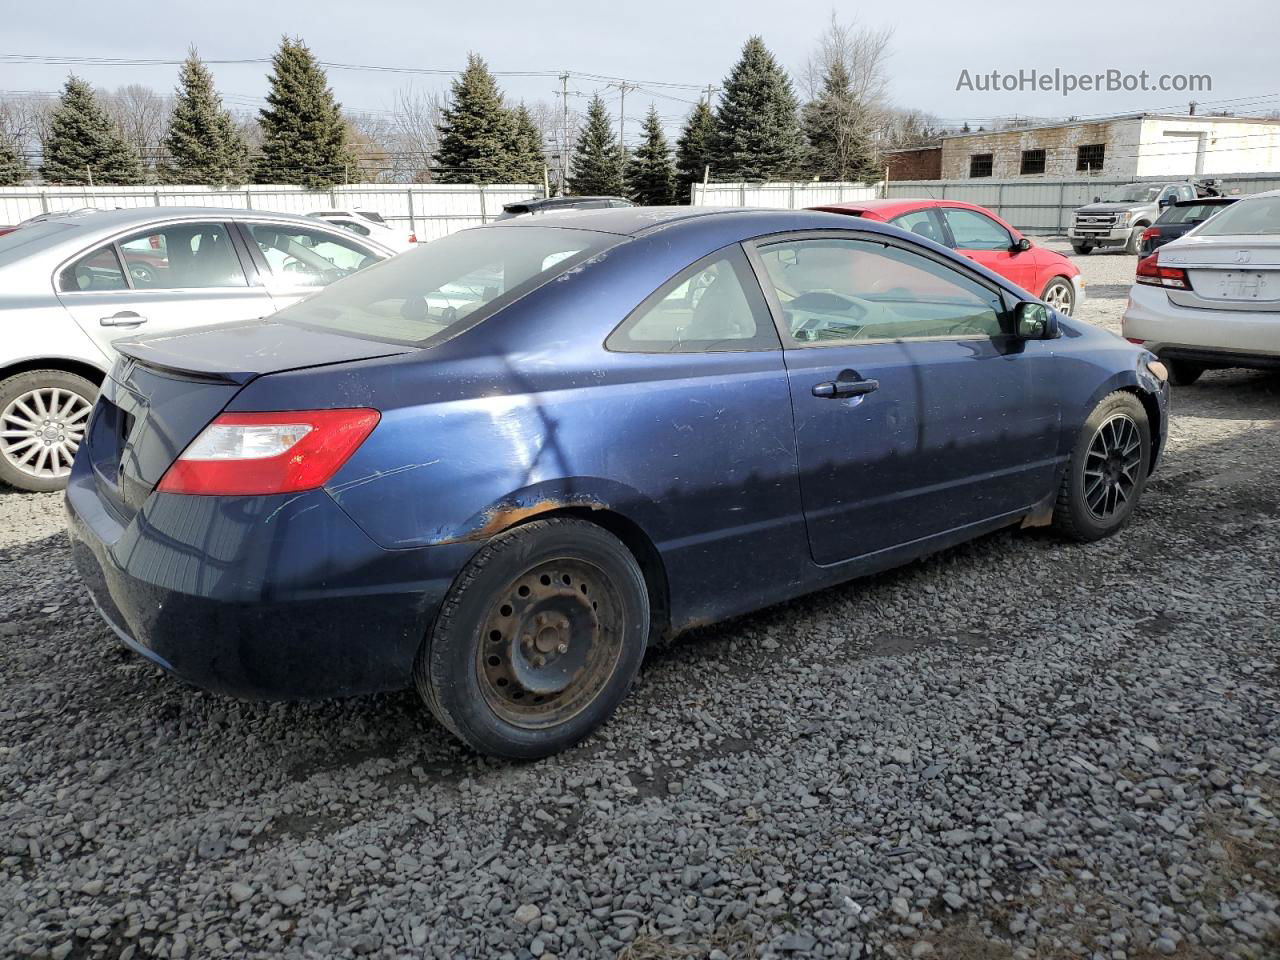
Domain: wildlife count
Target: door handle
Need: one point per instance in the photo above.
(835, 389)
(125, 318)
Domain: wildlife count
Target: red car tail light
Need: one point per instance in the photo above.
(1150, 233)
(1151, 273)
(251, 454)
(413, 238)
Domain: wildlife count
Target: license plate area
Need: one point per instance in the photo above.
(1239, 285)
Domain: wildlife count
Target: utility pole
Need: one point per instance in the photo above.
(564, 143)
(712, 90)
(623, 87)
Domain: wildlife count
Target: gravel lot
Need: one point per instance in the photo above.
(1019, 748)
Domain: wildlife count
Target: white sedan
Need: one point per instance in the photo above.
(1211, 298)
(371, 224)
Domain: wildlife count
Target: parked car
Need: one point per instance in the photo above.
(559, 204)
(370, 223)
(1122, 215)
(1179, 218)
(980, 235)
(71, 284)
(656, 418)
(1211, 299)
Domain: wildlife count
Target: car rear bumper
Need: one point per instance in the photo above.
(279, 597)
(1219, 337)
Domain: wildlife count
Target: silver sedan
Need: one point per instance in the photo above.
(72, 283)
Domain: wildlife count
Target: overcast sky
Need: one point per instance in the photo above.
(675, 41)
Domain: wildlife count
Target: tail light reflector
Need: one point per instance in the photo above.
(253, 454)
(1151, 273)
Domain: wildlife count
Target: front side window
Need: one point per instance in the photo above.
(99, 270)
(713, 306)
(439, 289)
(311, 258)
(974, 231)
(182, 256)
(836, 291)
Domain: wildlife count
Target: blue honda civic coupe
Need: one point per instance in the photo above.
(495, 468)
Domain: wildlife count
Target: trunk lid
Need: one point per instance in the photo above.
(162, 392)
(1235, 273)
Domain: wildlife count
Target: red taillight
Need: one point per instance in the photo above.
(1150, 233)
(1134, 340)
(250, 454)
(413, 238)
(1151, 273)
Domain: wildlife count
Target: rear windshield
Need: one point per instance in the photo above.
(1190, 213)
(1258, 216)
(12, 244)
(443, 287)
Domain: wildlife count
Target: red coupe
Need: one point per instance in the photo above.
(980, 235)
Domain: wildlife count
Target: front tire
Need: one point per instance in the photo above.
(1107, 471)
(1134, 244)
(1183, 373)
(1060, 294)
(43, 416)
(538, 640)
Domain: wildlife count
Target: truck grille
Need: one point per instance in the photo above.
(1095, 221)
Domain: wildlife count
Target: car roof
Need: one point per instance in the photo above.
(127, 216)
(636, 221)
(892, 206)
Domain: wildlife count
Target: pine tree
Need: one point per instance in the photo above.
(693, 150)
(13, 168)
(651, 177)
(838, 145)
(527, 158)
(478, 135)
(84, 144)
(596, 170)
(757, 132)
(304, 136)
(202, 145)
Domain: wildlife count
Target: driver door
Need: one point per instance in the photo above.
(295, 261)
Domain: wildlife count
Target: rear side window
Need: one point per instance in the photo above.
(99, 270)
(443, 287)
(183, 256)
(713, 306)
(921, 223)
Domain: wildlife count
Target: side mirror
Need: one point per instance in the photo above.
(1097, 199)
(1167, 201)
(1022, 246)
(1035, 321)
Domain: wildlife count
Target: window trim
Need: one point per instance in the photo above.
(943, 212)
(1008, 301)
(757, 299)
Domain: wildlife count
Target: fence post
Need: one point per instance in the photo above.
(156, 194)
(248, 198)
(944, 190)
(44, 201)
(1000, 203)
(742, 194)
(413, 224)
(1062, 203)
(791, 196)
(484, 215)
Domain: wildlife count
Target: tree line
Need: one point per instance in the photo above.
(758, 129)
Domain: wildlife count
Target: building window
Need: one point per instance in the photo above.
(980, 164)
(1090, 156)
(1032, 161)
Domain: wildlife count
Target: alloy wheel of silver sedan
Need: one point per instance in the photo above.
(41, 429)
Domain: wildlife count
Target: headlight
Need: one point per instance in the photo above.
(1122, 219)
(1158, 370)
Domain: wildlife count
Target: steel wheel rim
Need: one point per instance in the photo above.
(1058, 297)
(1111, 466)
(41, 430)
(550, 643)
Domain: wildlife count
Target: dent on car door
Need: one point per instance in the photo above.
(295, 260)
(917, 413)
(161, 279)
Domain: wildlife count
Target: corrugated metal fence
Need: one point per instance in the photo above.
(430, 210)
(1035, 206)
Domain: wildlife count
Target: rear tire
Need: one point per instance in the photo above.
(1107, 470)
(1183, 373)
(538, 640)
(43, 416)
(1082, 249)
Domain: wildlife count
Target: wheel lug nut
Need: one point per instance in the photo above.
(563, 648)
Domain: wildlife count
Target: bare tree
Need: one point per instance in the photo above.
(25, 118)
(142, 116)
(863, 52)
(416, 117)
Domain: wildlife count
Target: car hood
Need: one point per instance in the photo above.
(239, 352)
(1110, 207)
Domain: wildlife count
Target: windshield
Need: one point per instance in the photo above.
(1133, 193)
(11, 244)
(447, 285)
(1245, 218)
